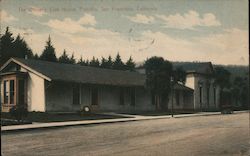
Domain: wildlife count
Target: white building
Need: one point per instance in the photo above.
(206, 92)
(52, 87)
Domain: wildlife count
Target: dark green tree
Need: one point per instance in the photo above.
(130, 64)
(36, 57)
(109, 62)
(72, 59)
(222, 77)
(11, 47)
(6, 46)
(179, 75)
(83, 62)
(87, 62)
(118, 64)
(158, 76)
(104, 63)
(64, 58)
(240, 91)
(21, 49)
(48, 53)
(94, 62)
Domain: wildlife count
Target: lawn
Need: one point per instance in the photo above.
(7, 119)
(160, 113)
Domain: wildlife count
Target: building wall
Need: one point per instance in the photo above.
(35, 89)
(35, 93)
(59, 97)
(208, 100)
(185, 100)
(109, 99)
(190, 81)
(143, 100)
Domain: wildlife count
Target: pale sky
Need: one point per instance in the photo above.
(178, 30)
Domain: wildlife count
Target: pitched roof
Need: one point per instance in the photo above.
(84, 74)
(179, 86)
(196, 67)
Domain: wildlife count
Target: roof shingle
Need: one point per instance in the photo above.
(88, 75)
(84, 74)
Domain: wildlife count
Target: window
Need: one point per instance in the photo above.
(9, 91)
(177, 97)
(121, 96)
(6, 91)
(12, 91)
(94, 96)
(76, 94)
(132, 95)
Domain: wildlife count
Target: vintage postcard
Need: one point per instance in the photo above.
(127, 78)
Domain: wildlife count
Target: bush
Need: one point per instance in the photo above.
(18, 112)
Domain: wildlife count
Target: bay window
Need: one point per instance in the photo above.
(9, 91)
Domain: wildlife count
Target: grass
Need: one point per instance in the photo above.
(7, 122)
(55, 117)
(159, 113)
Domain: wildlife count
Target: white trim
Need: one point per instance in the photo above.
(6, 63)
(28, 68)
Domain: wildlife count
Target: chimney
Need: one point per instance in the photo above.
(26, 57)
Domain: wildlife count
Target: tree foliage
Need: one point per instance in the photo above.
(72, 59)
(94, 62)
(118, 64)
(83, 62)
(240, 91)
(130, 64)
(222, 77)
(21, 49)
(36, 57)
(107, 63)
(64, 58)
(110, 62)
(48, 53)
(11, 47)
(158, 76)
(104, 63)
(179, 75)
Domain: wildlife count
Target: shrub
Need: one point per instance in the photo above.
(18, 112)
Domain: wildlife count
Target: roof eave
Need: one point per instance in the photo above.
(26, 67)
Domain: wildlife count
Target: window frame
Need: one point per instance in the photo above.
(7, 90)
